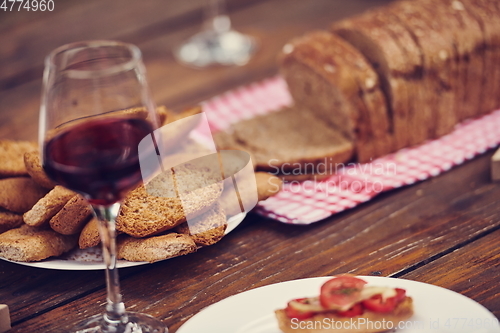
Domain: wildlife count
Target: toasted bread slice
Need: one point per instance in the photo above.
(9, 220)
(20, 194)
(48, 206)
(89, 236)
(11, 157)
(33, 244)
(72, 217)
(206, 229)
(155, 248)
(168, 200)
(329, 322)
(35, 170)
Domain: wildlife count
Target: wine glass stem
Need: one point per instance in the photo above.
(115, 309)
(216, 18)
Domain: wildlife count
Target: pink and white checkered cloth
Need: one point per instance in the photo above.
(311, 201)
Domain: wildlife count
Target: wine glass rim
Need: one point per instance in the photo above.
(135, 58)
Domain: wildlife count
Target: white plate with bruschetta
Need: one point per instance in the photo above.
(435, 309)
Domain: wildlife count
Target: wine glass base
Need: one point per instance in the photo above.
(137, 323)
(209, 48)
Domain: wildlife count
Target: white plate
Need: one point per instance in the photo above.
(436, 309)
(91, 259)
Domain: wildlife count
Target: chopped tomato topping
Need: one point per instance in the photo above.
(292, 312)
(340, 291)
(355, 310)
(400, 295)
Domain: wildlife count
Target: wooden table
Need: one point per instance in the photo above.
(444, 231)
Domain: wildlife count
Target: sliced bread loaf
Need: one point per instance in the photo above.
(345, 94)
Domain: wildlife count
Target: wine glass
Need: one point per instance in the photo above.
(96, 108)
(218, 43)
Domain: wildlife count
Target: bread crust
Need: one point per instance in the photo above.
(319, 323)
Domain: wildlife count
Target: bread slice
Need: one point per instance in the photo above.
(206, 229)
(20, 194)
(48, 206)
(486, 13)
(9, 220)
(330, 322)
(447, 27)
(11, 157)
(321, 80)
(72, 217)
(370, 33)
(168, 200)
(469, 40)
(28, 244)
(89, 237)
(437, 115)
(287, 140)
(35, 170)
(154, 248)
(267, 185)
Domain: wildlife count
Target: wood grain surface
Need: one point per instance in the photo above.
(443, 231)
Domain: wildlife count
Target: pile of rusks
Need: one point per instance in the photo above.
(392, 77)
(39, 219)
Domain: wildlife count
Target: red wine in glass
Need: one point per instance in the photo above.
(98, 158)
